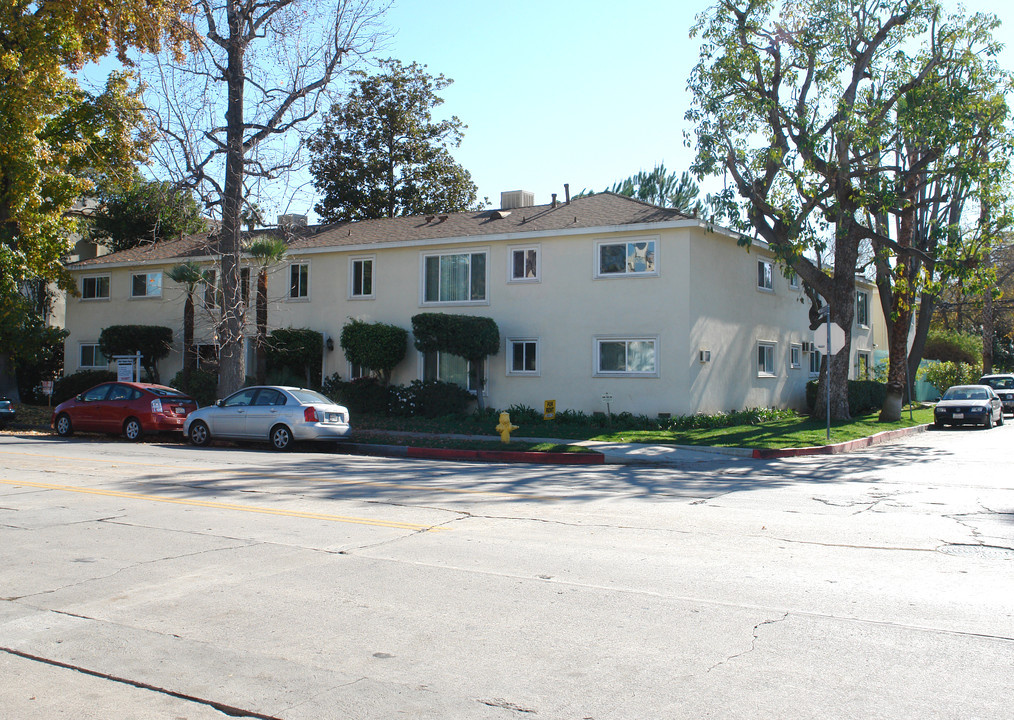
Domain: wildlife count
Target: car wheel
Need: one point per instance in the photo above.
(988, 425)
(132, 429)
(64, 428)
(938, 425)
(999, 420)
(199, 434)
(281, 437)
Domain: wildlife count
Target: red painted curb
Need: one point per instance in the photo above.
(839, 448)
(507, 456)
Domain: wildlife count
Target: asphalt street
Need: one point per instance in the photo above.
(165, 581)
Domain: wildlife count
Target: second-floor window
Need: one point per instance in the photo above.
(524, 264)
(634, 257)
(862, 308)
(146, 285)
(765, 277)
(454, 278)
(299, 281)
(361, 280)
(95, 288)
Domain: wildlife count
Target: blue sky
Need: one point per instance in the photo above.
(585, 93)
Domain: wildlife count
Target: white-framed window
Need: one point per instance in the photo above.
(210, 289)
(765, 359)
(525, 264)
(765, 275)
(95, 287)
(795, 356)
(523, 356)
(361, 278)
(449, 368)
(862, 308)
(146, 285)
(632, 256)
(793, 280)
(91, 357)
(299, 281)
(459, 277)
(626, 356)
(862, 366)
(358, 371)
(815, 362)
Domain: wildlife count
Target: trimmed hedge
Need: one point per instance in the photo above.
(369, 396)
(864, 395)
(203, 386)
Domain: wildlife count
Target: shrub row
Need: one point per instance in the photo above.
(429, 398)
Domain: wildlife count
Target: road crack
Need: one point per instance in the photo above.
(753, 642)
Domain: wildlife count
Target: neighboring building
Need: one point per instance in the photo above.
(602, 295)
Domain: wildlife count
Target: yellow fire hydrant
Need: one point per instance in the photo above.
(505, 428)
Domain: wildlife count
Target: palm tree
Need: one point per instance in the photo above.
(189, 275)
(265, 251)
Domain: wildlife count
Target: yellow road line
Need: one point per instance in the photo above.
(222, 506)
(244, 473)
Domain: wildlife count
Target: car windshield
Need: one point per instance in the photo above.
(309, 397)
(999, 383)
(965, 393)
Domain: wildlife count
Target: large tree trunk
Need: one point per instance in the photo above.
(189, 350)
(8, 379)
(262, 327)
(232, 373)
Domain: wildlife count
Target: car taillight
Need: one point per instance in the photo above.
(310, 414)
(156, 405)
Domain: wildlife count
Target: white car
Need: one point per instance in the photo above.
(276, 414)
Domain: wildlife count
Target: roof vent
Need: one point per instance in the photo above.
(292, 220)
(516, 199)
(499, 214)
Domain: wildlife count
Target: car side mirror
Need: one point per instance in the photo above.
(219, 402)
(79, 398)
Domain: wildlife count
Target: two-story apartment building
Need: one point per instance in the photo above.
(599, 296)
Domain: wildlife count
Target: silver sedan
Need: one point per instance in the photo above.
(277, 414)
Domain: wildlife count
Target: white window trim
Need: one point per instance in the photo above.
(364, 371)
(865, 294)
(373, 277)
(423, 302)
(598, 339)
(146, 274)
(288, 282)
(860, 354)
(81, 347)
(797, 350)
(770, 273)
(814, 354)
(656, 239)
(774, 348)
(109, 287)
(537, 372)
(510, 264)
(793, 280)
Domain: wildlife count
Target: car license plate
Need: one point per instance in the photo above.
(180, 411)
(958, 416)
(333, 417)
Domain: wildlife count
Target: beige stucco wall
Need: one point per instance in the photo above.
(703, 297)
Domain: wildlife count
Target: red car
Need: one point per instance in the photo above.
(124, 407)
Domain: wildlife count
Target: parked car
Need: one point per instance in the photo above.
(7, 411)
(133, 409)
(1003, 385)
(969, 405)
(276, 414)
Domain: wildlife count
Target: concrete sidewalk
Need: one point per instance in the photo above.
(610, 453)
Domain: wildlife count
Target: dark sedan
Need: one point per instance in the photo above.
(1003, 385)
(969, 405)
(7, 412)
(133, 409)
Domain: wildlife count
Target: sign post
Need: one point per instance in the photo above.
(829, 338)
(128, 367)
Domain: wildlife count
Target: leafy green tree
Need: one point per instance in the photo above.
(819, 112)
(379, 153)
(265, 251)
(28, 341)
(377, 346)
(154, 342)
(144, 211)
(188, 274)
(468, 336)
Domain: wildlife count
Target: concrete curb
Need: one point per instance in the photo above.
(839, 448)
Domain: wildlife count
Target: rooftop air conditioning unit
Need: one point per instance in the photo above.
(292, 220)
(516, 199)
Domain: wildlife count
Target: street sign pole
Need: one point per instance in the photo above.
(828, 380)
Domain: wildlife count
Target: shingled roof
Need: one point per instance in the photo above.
(591, 211)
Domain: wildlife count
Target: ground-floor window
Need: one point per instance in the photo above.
(522, 356)
(863, 366)
(450, 368)
(636, 357)
(92, 357)
(815, 362)
(765, 359)
(207, 357)
(796, 357)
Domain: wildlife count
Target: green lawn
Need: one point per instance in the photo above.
(797, 431)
